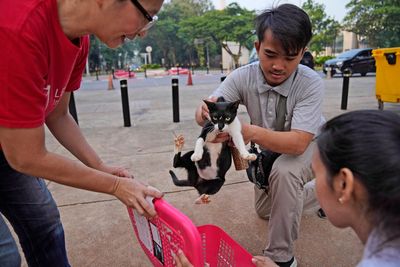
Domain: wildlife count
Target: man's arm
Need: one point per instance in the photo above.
(293, 142)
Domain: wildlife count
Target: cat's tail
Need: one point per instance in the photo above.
(178, 182)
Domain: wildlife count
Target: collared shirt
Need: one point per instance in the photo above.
(304, 92)
(381, 250)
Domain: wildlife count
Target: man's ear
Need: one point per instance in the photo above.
(343, 185)
(257, 46)
(304, 50)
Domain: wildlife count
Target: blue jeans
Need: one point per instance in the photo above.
(28, 205)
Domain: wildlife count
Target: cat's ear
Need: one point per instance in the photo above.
(235, 105)
(209, 104)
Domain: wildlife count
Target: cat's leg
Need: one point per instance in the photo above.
(235, 131)
(237, 139)
(198, 150)
(179, 141)
(203, 199)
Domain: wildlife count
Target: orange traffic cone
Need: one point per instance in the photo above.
(189, 81)
(110, 83)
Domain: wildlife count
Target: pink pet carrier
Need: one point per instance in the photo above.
(206, 245)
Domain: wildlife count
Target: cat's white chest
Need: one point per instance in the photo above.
(210, 172)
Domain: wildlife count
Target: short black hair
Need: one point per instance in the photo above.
(368, 143)
(288, 23)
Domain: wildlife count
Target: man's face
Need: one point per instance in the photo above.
(123, 19)
(276, 65)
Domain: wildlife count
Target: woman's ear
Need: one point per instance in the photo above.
(343, 185)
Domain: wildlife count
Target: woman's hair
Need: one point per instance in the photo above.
(288, 23)
(368, 143)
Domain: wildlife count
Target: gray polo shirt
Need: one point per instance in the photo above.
(304, 92)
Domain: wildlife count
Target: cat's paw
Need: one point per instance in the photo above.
(179, 142)
(203, 199)
(249, 156)
(196, 156)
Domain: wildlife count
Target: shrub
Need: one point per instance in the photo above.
(321, 59)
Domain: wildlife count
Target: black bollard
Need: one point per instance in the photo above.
(345, 88)
(72, 107)
(125, 103)
(175, 99)
(223, 78)
(97, 74)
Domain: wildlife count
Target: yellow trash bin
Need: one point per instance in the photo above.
(387, 62)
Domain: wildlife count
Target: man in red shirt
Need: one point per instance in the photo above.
(43, 51)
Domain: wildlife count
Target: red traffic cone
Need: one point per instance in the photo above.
(110, 83)
(189, 81)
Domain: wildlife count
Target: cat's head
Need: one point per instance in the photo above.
(222, 113)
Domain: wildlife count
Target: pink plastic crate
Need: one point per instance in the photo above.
(206, 245)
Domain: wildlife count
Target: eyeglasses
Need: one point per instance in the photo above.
(152, 20)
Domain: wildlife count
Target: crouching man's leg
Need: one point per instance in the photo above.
(283, 203)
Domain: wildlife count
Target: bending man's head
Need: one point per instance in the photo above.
(283, 34)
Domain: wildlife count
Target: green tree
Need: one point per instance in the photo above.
(325, 28)
(163, 37)
(378, 21)
(233, 24)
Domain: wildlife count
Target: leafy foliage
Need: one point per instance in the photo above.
(378, 21)
(233, 24)
(325, 28)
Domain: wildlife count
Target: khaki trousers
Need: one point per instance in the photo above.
(291, 190)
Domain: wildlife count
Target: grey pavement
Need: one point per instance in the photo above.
(97, 227)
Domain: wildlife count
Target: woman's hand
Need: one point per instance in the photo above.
(181, 260)
(262, 261)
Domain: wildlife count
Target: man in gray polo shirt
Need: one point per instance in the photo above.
(283, 34)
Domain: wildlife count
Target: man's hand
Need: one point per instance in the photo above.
(133, 194)
(202, 112)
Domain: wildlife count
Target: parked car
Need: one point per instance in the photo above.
(308, 60)
(354, 61)
(122, 74)
(178, 71)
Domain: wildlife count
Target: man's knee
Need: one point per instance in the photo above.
(288, 171)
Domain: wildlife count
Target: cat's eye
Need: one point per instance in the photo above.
(227, 119)
(214, 118)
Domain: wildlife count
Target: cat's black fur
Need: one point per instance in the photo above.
(221, 113)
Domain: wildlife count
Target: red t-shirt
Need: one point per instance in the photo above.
(38, 63)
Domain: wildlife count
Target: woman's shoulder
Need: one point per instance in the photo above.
(381, 250)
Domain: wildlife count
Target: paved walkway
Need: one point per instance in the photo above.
(98, 230)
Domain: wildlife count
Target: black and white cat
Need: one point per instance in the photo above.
(208, 163)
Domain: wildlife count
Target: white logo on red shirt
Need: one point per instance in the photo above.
(47, 92)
